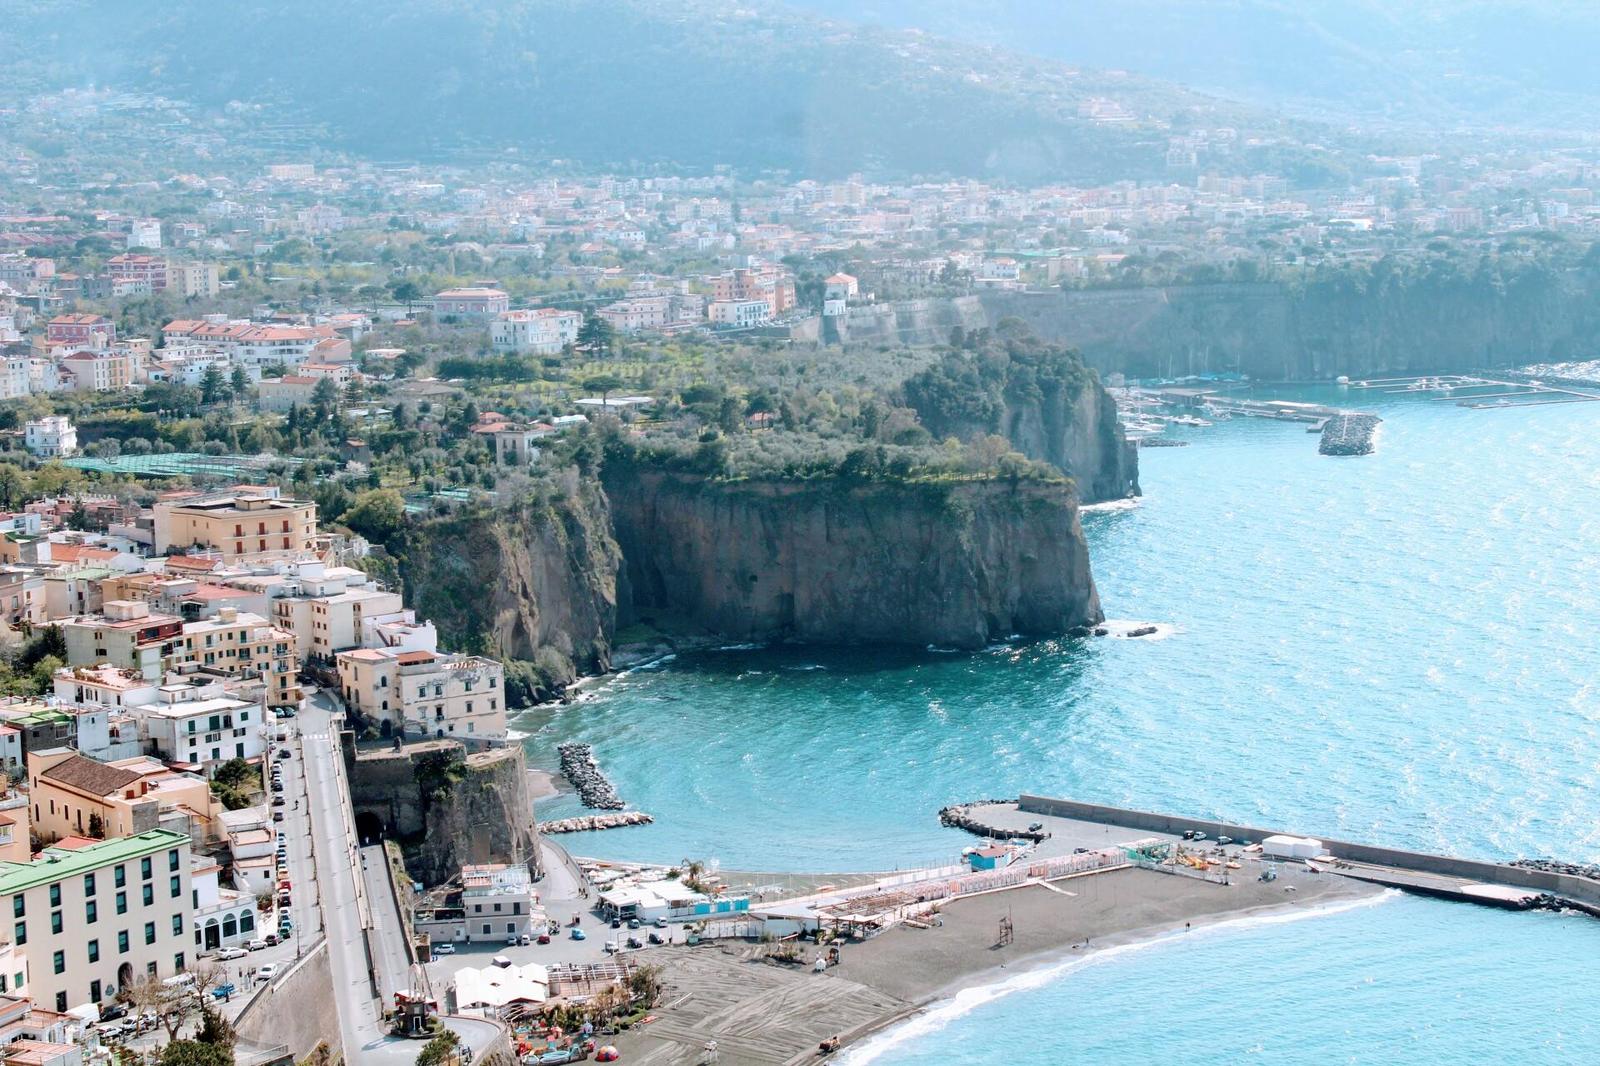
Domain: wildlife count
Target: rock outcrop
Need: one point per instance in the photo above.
(533, 583)
(948, 563)
(447, 807)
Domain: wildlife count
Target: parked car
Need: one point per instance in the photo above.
(616, 923)
(112, 1011)
(278, 801)
(634, 923)
(544, 938)
(445, 948)
(611, 947)
(223, 991)
(266, 973)
(255, 945)
(284, 754)
(657, 938)
(232, 953)
(579, 934)
(661, 923)
(277, 816)
(511, 940)
(271, 939)
(635, 942)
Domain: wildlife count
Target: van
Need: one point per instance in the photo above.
(179, 982)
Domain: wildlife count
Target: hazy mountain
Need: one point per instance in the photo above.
(606, 82)
(1526, 63)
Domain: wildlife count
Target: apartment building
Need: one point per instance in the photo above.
(194, 279)
(739, 314)
(543, 331)
(326, 609)
(235, 523)
(498, 901)
(241, 644)
(79, 330)
(148, 272)
(425, 693)
(197, 724)
(127, 635)
(91, 920)
(70, 794)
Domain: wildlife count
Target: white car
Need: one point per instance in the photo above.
(266, 973)
(233, 953)
(256, 945)
(445, 948)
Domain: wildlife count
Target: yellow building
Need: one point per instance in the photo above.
(234, 523)
(73, 795)
(242, 644)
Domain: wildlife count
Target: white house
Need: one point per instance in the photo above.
(51, 437)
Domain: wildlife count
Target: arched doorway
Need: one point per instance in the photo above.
(369, 827)
(124, 978)
(213, 935)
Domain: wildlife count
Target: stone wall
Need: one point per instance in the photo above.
(297, 1009)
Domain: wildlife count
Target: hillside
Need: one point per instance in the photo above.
(612, 83)
(1523, 63)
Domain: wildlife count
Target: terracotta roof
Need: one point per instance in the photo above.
(87, 775)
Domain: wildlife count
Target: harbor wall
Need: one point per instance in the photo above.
(1580, 889)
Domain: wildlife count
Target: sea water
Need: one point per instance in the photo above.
(1397, 648)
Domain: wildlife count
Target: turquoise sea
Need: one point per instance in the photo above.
(1397, 648)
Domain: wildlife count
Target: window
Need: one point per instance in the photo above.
(149, 895)
(19, 906)
(176, 884)
(88, 884)
(149, 932)
(122, 903)
(94, 951)
(20, 934)
(247, 922)
(55, 895)
(55, 921)
(144, 863)
(59, 961)
(172, 859)
(61, 1003)
(177, 962)
(94, 991)
(177, 925)
(485, 928)
(122, 942)
(91, 912)
(119, 876)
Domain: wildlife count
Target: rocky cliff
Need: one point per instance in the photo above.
(447, 807)
(1350, 325)
(1041, 398)
(949, 563)
(535, 583)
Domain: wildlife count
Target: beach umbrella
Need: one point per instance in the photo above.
(607, 1054)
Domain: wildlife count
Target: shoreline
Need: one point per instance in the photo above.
(856, 1048)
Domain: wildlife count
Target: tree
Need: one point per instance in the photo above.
(194, 1053)
(211, 385)
(239, 383)
(170, 1005)
(13, 485)
(377, 514)
(645, 984)
(325, 398)
(441, 1050)
(215, 1029)
(604, 384)
(97, 827)
(596, 336)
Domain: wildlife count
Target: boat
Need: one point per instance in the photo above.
(1189, 420)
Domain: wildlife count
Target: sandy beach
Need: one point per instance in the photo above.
(761, 1011)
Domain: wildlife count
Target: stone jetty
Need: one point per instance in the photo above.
(589, 822)
(1349, 433)
(580, 767)
(961, 816)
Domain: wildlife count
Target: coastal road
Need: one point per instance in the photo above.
(387, 936)
(356, 914)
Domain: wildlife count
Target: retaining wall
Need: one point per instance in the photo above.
(298, 1009)
(1580, 889)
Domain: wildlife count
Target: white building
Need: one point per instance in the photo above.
(196, 724)
(51, 437)
(223, 917)
(426, 694)
(739, 314)
(498, 901)
(543, 331)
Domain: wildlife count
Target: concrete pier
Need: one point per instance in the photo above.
(1441, 876)
(1349, 433)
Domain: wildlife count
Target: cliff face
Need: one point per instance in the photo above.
(447, 807)
(536, 583)
(957, 564)
(1080, 433)
(1282, 333)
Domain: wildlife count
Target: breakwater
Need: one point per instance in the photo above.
(1444, 876)
(590, 822)
(961, 816)
(1349, 433)
(580, 767)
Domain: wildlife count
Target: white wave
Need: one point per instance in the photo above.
(967, 1000)
(1107, 506)
(1121, 627)
(514, 735)
(738, 647)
